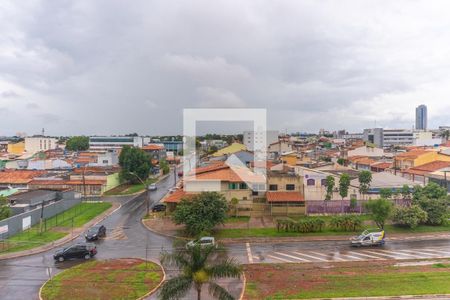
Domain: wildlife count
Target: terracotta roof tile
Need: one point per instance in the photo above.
(284, 197)
(152, 147)
(428, 168)
(18, 176)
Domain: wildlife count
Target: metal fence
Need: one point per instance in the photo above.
(26, 220)
(339, 206)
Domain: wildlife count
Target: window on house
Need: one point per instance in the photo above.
(232, 186)
(273, 187)
(290, 187)
(242, 186)
(323, 182)
(310, 182)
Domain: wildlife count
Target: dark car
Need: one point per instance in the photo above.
(75, 251)
(95, 232)
(159, 207)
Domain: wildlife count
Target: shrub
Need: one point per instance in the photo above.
(380, 209)
(345, 223)
(304, 225)
(409, 216)
(436, 210)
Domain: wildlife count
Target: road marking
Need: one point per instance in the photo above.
(291, 256)
(366, 255)
(352, 255)
(310, 256)
(333, 255)
(249, 253)
(377, 253)
(278, 258)
(424, 252)
(399, 252)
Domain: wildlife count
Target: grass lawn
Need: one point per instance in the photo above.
(237, 219)
(300, 281)
(57, 227)
(110, 279)
(272, 232)
(127, 189)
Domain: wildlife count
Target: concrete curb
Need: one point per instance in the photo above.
(241, 297)
(163, 234)
(339, 238)
(430, 296)
(140, 298)
(68, 238)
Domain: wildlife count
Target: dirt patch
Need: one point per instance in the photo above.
(104, 280)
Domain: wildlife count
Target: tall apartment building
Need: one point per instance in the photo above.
(251, 138)
(421, 117)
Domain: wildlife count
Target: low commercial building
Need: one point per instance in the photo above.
(36, 144)
(115, 142)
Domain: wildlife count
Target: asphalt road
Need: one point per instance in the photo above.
(327, 251)
(21, 278)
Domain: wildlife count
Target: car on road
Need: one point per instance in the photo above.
(159, 207)
(152, 187)
(95, 232)
(206, 241)
(180, 173)
(371, 237)
(81, 250)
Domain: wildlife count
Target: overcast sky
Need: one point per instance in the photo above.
(114, 67)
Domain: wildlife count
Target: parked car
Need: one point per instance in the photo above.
(206, 241)
(152, 187)
(95, 232)
(159, 207)
(180, 173)
(373, 237)
(82, 250)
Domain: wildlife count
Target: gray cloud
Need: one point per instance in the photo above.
(104, 67)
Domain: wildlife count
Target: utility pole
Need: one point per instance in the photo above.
(175, 174)
(42, 216)
(147, 191)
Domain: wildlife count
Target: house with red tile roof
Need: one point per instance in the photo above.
(420, 173)
(18, 178)
(234, 182)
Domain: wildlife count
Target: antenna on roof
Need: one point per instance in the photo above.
(43, 132)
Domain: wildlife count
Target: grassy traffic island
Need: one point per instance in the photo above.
(129, 189)
(125, 278)
(363, 279)
(55, 227)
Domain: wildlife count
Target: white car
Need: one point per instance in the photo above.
(206, 241)
(152, 187)
(374, 237)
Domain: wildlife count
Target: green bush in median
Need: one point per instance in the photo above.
(345, 223)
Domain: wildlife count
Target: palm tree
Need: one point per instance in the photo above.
(198, 266)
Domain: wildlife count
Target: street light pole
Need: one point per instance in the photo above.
(147, 196)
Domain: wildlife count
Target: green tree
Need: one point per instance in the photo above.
(330, 182)
(386, 193)
(430, 191)
(364, 178)
(341, 161)
(164, 166)
(134, 163)
(201, 213)
(5, 210)
(77, 143)
(199, 266)
(436, 209)
(344, 185)
(445, 134)
(234, 202)
(381, 210)
(410, 216)
(406, 192)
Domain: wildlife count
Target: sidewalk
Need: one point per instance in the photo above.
(70, 237)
